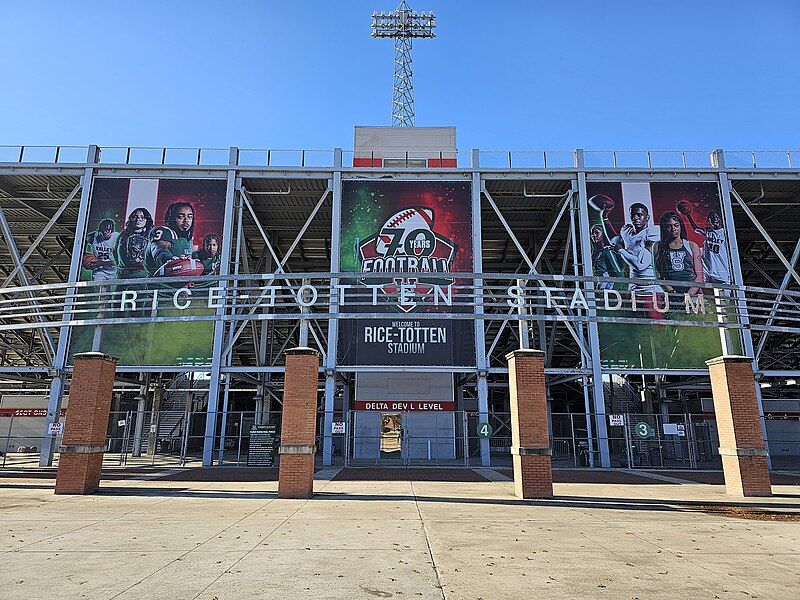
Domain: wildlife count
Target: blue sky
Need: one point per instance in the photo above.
(556, 74)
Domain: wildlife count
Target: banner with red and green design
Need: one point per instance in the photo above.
(422, 229)
(143, 228)
(653, 233)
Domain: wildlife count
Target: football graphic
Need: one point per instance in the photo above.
(90, 261)
(601, 202)
(401, 224)
(180, 266)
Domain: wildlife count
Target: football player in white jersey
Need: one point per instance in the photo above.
(635, 245)
(99, 245)
(715, 255)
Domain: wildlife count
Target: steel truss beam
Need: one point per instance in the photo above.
(556, 222)
(22, 274)
(532, 270)
(763, 340)
(45, 230)
(789, 266)
(281, 263)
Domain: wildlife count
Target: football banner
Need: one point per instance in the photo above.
(656, 233)
(145, 228)
(424, 230)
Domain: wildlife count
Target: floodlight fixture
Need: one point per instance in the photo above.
(403, 25)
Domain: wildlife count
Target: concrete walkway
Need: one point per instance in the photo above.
(151, 539)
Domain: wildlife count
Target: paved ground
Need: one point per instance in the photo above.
(396, 538)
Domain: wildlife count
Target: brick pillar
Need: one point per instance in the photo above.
(86, 425)
(298, 424)
(530, 442)
(741, 444)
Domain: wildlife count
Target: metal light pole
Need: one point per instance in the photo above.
(403, 25)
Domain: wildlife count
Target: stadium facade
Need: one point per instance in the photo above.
(414, 268)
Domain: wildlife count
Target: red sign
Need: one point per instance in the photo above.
(404, 405)
(27, 412)
(783, 415)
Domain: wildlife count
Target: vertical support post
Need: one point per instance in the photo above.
(263, 400)
(59, 376)
(587, 394)
(303, 322)
(226, 392)
(482, 384)
(333, 323)
(8, 438)
(152, 437)
(524, 336)
(718, 161)
(229, 344)
(219, 323)
(84, 439)
(298, 424)
(141, 407)
(530, 440)
(741, 444)
(601, 423)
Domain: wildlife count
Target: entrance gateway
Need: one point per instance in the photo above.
(399, 418)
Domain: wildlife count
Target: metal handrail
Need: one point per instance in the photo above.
(300, 157)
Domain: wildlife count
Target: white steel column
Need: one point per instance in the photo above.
(598, 396)
(57, 384)
(219, 323)
(228, 356)
(480, 335)
(333, 323)
(141, 408)
(718, 161)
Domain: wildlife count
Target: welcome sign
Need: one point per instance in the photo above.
(420, 228)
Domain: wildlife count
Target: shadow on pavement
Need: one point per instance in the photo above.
(589, 502)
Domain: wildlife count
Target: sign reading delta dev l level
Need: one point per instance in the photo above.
(405, 405)
(27, 412)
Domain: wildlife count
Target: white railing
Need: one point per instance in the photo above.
(324, 158)
(366, 296)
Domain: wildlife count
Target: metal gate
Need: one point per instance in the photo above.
(408, 438)
(672, 441)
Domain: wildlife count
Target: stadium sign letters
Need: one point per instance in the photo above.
(307, 296)
(403, 406)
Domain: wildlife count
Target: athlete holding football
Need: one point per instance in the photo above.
(604, 259)
(159, 249)
(97, 253)
(635, 245)
(180, 219)
(715, 257)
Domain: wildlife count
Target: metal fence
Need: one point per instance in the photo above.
(361, 438)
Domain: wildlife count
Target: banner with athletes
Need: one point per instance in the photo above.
(419, 227)
(655, 232)
(142, 228)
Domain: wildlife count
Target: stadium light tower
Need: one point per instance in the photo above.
(403, 25)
